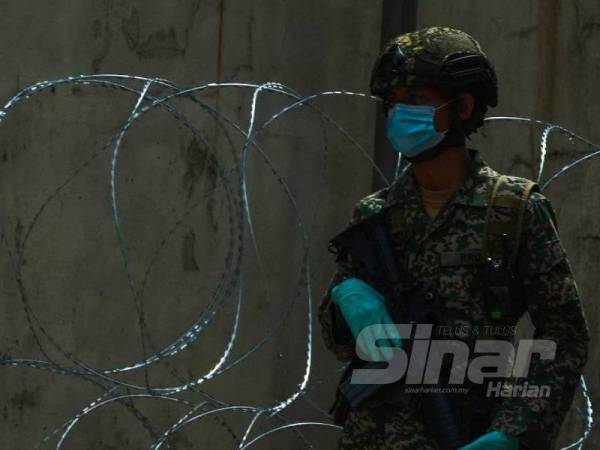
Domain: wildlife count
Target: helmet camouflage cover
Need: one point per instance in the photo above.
(439, 56)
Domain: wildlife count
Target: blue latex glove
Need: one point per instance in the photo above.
(363, 306)
(495, 440)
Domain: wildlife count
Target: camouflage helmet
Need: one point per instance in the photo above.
(438, 56)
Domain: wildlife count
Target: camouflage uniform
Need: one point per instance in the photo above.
(427, 249)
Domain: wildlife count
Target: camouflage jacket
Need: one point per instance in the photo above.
(424, 249)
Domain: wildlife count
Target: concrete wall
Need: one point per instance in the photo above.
(546, 55)
(55, 203)
(171, 190)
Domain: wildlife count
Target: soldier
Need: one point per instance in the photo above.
(454, 223)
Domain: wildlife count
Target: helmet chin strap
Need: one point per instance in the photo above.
(454, 138)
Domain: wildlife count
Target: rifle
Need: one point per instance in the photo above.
(367, 245)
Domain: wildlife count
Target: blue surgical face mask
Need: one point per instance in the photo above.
(411, 129)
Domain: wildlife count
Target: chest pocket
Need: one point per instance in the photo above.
(459, 264)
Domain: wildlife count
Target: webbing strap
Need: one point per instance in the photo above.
(510, 229)
(486, 228)
(529, 188)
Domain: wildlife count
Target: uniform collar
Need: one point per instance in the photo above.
(473, 191)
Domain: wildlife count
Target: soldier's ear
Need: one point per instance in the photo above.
(466, 104)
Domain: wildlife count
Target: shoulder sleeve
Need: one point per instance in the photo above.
(550, 295)
(541, 248)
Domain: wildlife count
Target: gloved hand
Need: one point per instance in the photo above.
(363, 306)
(495, 440)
